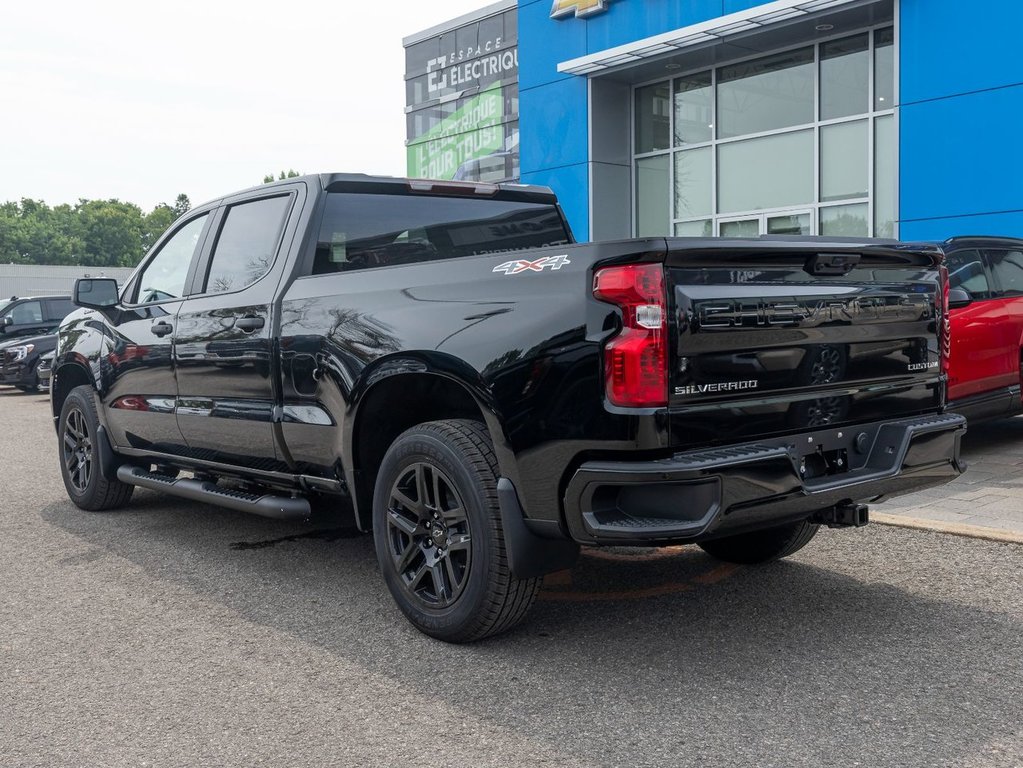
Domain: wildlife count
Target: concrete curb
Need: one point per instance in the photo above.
(955, 529)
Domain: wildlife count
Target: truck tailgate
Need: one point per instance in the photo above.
(788, 336)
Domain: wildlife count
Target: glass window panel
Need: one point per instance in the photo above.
(769, 172)
(845, 220)
(845, 77)
(884, 69)
(27, 312)
(790, 224)
(164, 276)
(694, 109)
(744, 228)
(693, 190)
(884, 177)
(652, 196)
(652, 121)
(701, 228)
(845, 167)
(966, 271)
(1008, 269)
(247, 244)
(766, 94)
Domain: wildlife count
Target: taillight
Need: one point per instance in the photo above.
(636, 360)
(946, 321)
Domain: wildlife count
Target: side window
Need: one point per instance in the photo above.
(1008, 270)
(164, 277)
(966, 271)
(58, 309)
(247, 244)
(27, 312)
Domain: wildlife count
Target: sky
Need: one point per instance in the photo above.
(141, 101)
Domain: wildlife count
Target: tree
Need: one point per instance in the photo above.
(111, 232)
(181, 206)
(291, 173)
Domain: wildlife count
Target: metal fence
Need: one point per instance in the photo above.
(36, 280)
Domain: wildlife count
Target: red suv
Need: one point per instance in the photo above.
(986, 299)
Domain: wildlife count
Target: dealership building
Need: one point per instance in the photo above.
(889, 118)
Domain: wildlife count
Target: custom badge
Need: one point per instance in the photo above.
(581, 8)
(521, 265)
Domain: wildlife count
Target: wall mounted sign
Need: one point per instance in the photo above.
(577, 8)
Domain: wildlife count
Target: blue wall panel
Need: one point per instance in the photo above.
(1004, 224)
(570, 183)
(961, 97)
(559, 111)
(951, 47)
(962, 155)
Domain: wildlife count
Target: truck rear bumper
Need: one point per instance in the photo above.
(703, 494)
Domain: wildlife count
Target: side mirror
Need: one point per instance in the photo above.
(96, 293)
(4, 322)
(958, 298)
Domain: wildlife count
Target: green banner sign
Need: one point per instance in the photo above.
(471, 132)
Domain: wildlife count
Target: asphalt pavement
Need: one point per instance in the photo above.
(174, 634)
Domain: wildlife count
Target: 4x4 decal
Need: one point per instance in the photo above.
(521, 265)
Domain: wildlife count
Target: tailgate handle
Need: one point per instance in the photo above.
(832, 263)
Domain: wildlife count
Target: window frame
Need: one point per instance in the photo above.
(872, 116)
(994, 280)
(985, 261)
(201, 275)
(130, 293)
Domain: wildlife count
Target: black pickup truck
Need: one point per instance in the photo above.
(442, 361)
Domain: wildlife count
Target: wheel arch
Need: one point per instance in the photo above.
(63, 379)
(397, 399)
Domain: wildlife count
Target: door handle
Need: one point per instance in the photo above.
(249, 323)
(161, 328)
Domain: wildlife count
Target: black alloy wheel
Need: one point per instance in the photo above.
(428, 535)
(79, 436)
(438, 534)
(77, 450)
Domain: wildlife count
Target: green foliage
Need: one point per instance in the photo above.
(101, 233)
(291, 173)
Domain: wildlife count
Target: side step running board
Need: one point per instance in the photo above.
(280, 507)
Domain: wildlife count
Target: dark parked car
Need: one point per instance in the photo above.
(986, 300)
(33, 315)
(19, 361)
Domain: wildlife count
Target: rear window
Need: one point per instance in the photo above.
(362, 231)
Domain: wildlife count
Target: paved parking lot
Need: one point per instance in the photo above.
(178, 634)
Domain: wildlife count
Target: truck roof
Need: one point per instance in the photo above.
(396, 185)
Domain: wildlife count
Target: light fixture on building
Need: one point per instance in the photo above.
(672, 66)
(824, 27)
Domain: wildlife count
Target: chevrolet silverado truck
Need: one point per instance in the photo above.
(485, 395)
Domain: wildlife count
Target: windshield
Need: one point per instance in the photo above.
(369, 230)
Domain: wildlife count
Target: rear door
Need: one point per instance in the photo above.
(224, 342)
(1007, 270)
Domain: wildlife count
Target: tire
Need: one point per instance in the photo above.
(79, 456)
(31, 387)
(438, 534)
(762, 546)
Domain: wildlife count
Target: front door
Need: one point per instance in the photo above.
(138, 375)
(224, 343)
